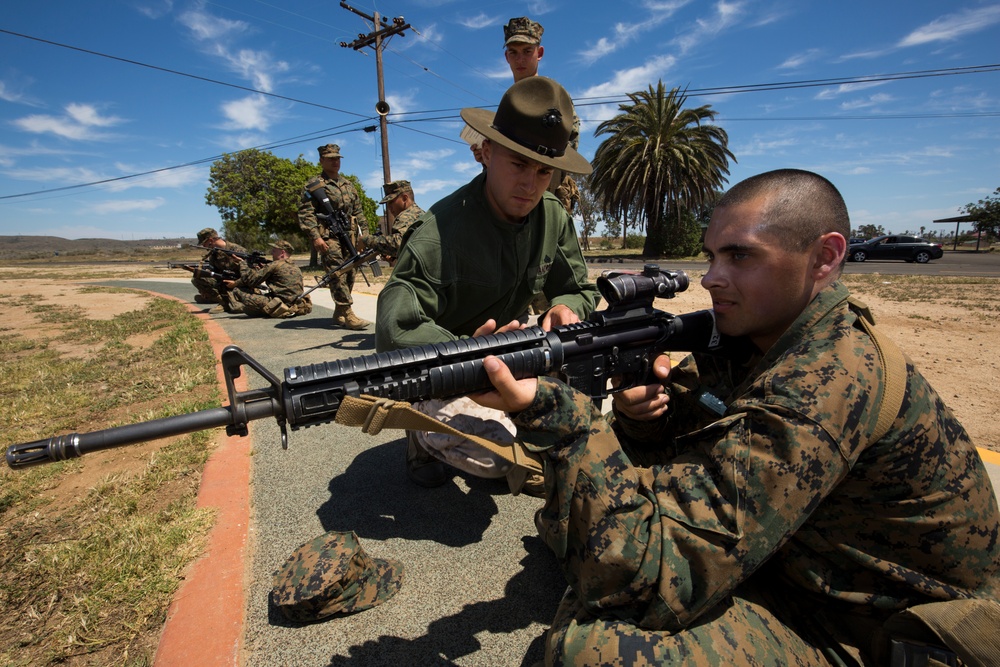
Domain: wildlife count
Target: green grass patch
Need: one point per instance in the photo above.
(87, 571)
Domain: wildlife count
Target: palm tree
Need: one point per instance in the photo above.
(659, 158)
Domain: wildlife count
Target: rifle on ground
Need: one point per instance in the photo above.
(340, 225)
(253, 259)
(620, 341)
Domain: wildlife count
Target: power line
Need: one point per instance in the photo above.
(312, 136)
(179, 73)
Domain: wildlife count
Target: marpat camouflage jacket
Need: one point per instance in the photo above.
(786, 476)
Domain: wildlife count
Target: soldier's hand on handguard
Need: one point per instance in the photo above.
(490, 327)
(557, 316)
(510, 395)
(230, 284)
(650, 401)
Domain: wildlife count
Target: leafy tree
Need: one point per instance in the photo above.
(588, 209)
(659, 157)
(870, 231)
(987, 214)
(682, 238)
(258, 196)
(612, 227)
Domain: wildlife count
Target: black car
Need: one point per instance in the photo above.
(907, 248)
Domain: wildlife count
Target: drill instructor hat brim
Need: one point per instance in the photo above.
(534, 119)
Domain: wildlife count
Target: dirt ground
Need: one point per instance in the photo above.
(954, 346)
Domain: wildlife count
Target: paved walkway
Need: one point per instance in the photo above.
(479, 589)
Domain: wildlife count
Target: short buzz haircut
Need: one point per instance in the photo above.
(801, 206)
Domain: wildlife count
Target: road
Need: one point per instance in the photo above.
(480, 588)
(958, 263)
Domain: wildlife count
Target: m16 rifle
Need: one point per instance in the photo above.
(340, 225)
(204, 271)
(254, 259)
(621, 341)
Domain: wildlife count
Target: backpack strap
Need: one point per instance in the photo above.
(373, 414)
(893, 369)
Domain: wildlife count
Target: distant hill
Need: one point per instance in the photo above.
(33, 247)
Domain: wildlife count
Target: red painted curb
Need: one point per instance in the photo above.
(204, 623)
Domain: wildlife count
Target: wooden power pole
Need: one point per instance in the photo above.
(383, 30)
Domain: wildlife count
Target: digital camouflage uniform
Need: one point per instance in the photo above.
(773, 534)
(460, 265)
(344, 197)
(209, 289)
(388, 245)
(284, 282)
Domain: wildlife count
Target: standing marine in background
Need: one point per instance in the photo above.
(404, 211)
(209, 289)
(344, 197)
(284, 285)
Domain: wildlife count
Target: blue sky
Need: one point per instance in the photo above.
(904, 150)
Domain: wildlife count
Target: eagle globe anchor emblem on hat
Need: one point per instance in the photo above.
(534, 119)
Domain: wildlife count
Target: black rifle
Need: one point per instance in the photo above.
(620, 341)
(205, 271)
(253, 259)
(340, 225)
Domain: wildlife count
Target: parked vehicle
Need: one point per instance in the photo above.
(906, 248)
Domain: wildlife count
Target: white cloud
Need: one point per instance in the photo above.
(726, 15)
(845, 88)
(632, 79)
(78, 123)
(205, 27)
(481, 20)
(867, 102)
(249, 113)
(799, 59)
(170, 178)
(125, 205)
(654, 14)
(953, 26)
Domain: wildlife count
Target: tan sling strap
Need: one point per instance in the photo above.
(893, 370)
(969, 628)
(373, 414)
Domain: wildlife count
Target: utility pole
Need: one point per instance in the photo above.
(383, 30)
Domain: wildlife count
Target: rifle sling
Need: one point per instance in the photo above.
(893, 370)
(373, 414)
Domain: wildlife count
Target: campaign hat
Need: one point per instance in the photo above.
(534, 119)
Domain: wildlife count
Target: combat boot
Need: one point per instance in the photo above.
(343, 316)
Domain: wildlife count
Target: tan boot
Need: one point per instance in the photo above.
(343, 316)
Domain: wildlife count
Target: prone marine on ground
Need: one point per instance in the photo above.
(209, 289)
(284, 284)
(404, 212)
(479, 256)
(344, 197)
(803, 505)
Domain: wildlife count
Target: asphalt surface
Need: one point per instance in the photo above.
(479, 587)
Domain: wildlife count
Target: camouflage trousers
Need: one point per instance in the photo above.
(260, 305)
(754, 627)
(208, 289)
(340, 286)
